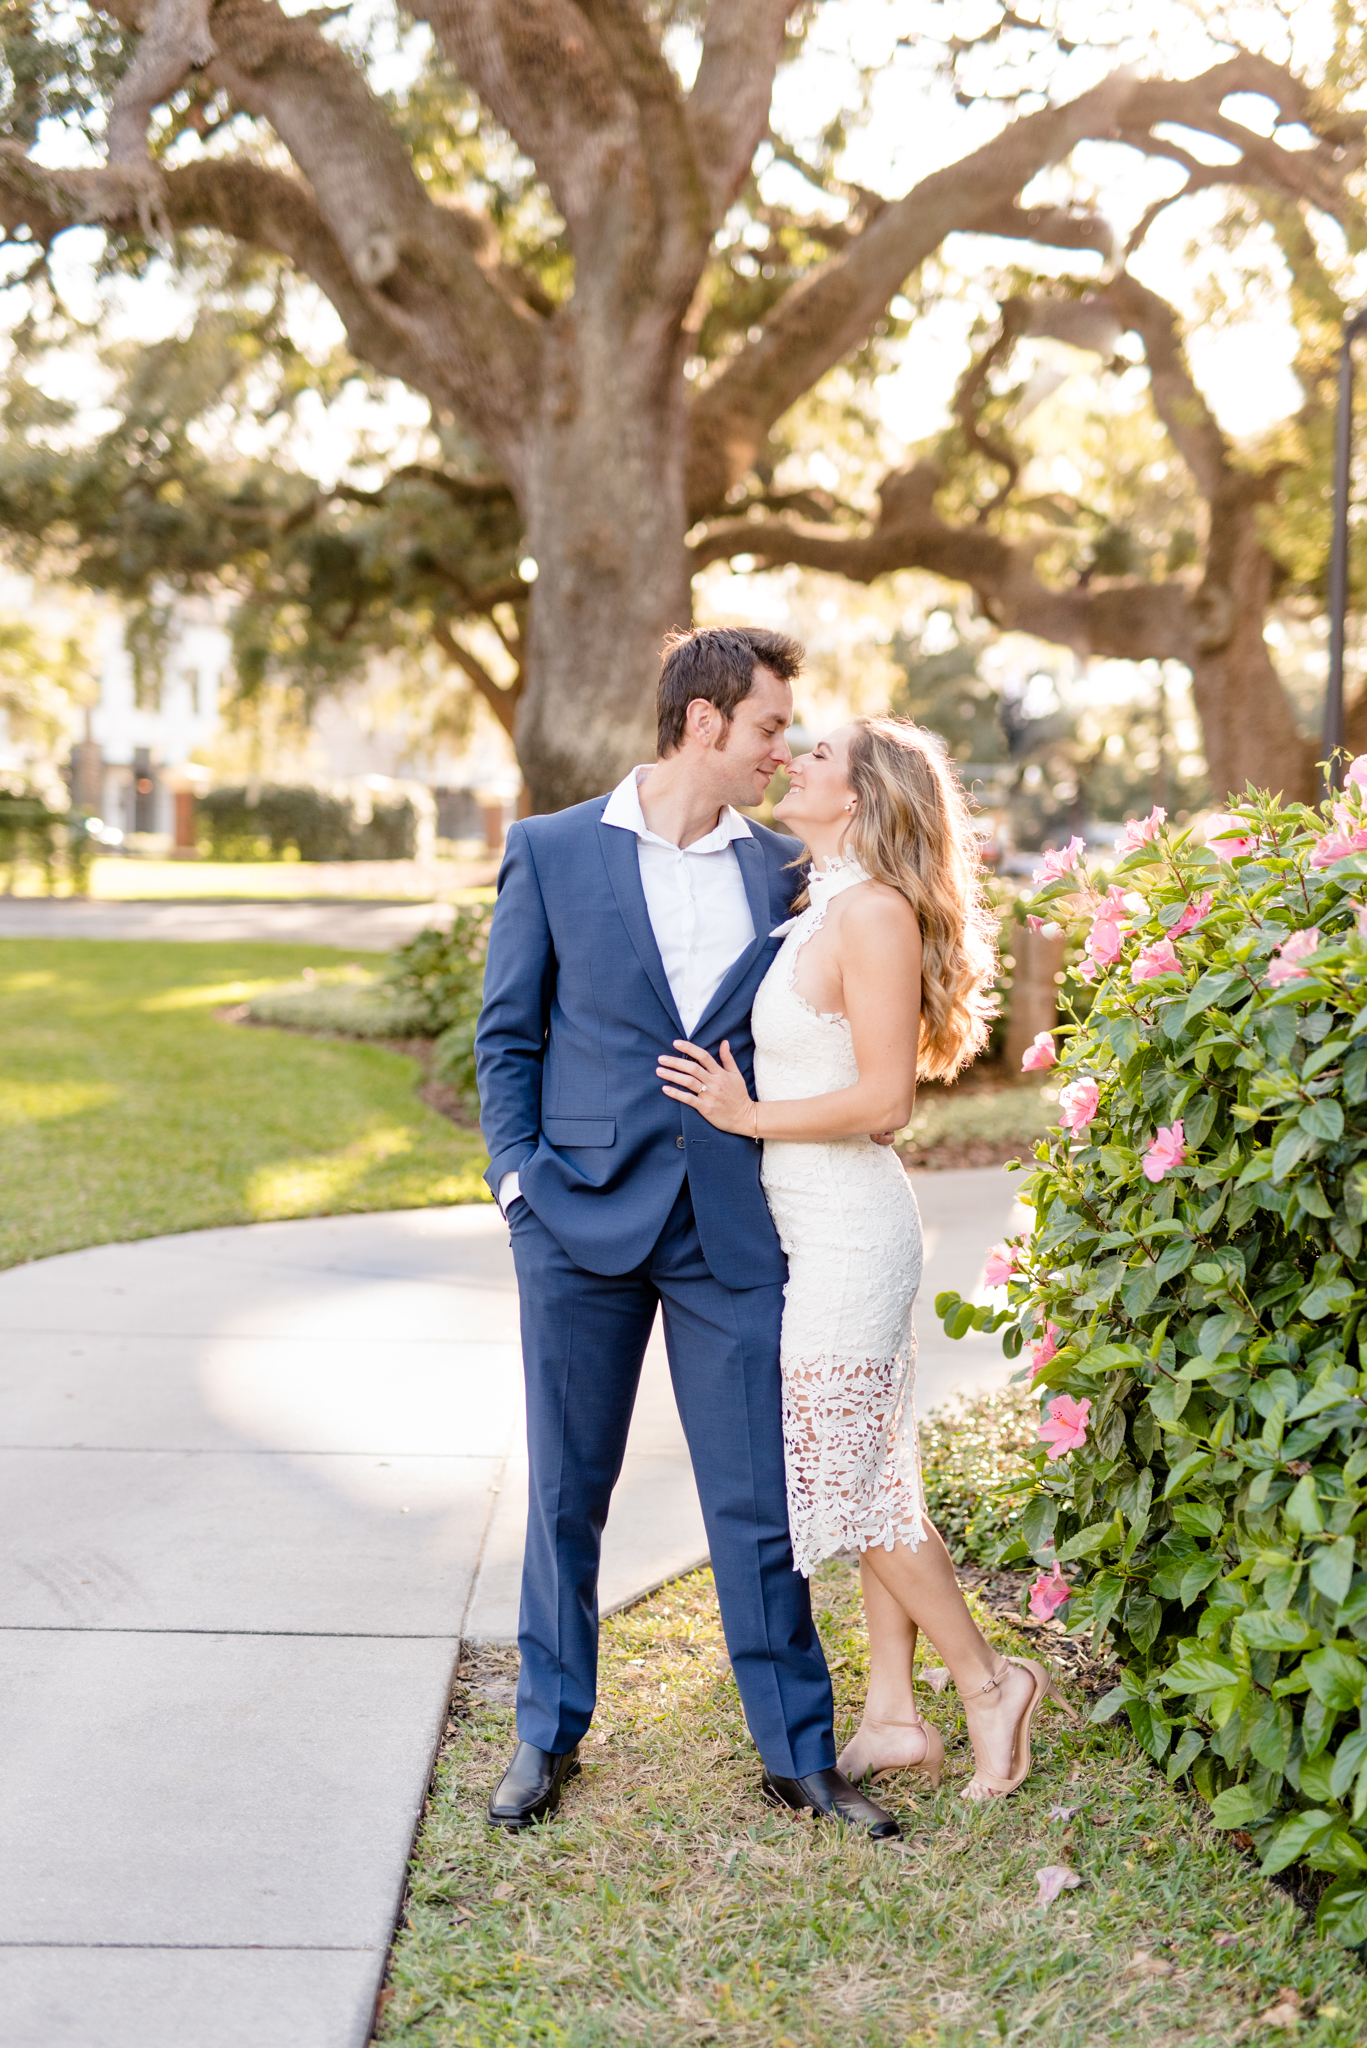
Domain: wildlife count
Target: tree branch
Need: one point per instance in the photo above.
(175, 42)
(834, 309)
(503, 703)
(437, 269)
(1134, 621)
(728, 108)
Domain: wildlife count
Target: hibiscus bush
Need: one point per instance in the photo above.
(1191, 1297)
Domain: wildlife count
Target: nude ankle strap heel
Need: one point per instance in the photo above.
(985, 1784)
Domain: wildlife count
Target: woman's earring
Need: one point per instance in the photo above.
(850, 805)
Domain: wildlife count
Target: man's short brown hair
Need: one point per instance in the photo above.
(717, 663)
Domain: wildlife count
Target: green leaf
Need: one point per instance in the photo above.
(1335, 1677)
(1322, 1119)
(1087, 1542)
(1217, 1334)
(1261, 1629)
(961, 1322)
(1331, 1569)
(1239, 1807)
(1185, 1754)
(1289, 1151)
(1200, 1671)
(1198, 1517)
(1348, 1761)
(1294, 1837)
(1037, 1523)
(1142, 1618)
(1341, 1915)
(1302, 1509)
(1196, 1461)
(1110, 1703)
(1197, 1577)
(947, 1301)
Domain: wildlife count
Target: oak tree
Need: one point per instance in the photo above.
(623, 360)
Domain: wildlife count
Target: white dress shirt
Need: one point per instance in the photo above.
(697, 905)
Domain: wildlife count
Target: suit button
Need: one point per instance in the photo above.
(680, 1143)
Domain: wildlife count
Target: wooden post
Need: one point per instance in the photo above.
(1034, 991)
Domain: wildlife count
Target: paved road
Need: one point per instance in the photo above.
(255, 1485)
(359, 927)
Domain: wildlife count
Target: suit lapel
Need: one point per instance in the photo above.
(755, 873)
(624, 873)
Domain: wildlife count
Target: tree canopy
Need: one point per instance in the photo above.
(568, 233)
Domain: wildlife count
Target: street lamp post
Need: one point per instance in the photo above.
(1353, 326)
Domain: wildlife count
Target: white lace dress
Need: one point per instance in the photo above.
(848, 1222)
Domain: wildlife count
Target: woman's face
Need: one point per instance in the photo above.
(819, 794)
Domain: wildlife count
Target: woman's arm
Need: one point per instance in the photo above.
(878, 953)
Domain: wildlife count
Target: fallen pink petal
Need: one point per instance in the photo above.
(1068, 1813)
(1053, 1879)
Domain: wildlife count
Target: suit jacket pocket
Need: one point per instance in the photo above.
(579, 1130)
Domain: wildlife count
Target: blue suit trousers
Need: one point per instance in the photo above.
(583, 1337)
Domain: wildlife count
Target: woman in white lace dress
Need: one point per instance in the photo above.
(885, 972)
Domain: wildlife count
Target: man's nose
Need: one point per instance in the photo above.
(783, 752)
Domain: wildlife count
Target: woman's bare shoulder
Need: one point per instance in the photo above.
(877, 911)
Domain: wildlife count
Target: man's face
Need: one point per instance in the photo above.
(749, 752)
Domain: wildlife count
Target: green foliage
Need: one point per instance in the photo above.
(977, 1473)
(54, 841)
(445, 970)
(1207, 1312)
(312, 823)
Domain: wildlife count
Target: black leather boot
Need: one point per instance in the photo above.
(530, 1788)
(834, 1798)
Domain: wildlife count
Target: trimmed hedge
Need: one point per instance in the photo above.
(1192, 1293)
(293, 817)
(442, 973)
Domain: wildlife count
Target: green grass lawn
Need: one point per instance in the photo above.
(667, 1905)
(127, 1108)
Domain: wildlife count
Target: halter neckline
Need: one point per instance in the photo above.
(843, 872)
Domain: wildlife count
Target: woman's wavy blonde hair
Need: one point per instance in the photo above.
(913, 830)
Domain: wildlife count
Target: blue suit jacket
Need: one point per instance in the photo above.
(576, 1009)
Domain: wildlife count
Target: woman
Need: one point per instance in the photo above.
(885, 971)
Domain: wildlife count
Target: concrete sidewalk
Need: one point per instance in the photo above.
(359, 927)
(257, 1484)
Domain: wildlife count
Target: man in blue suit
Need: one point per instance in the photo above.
(623, 926)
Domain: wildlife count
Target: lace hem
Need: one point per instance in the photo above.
(851, 1456)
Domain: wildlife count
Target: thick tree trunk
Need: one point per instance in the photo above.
(1246, 717)
(605, 525)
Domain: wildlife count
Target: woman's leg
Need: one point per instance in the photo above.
(922, 1585)
(891, 1734)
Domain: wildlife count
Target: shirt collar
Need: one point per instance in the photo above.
(623, 808)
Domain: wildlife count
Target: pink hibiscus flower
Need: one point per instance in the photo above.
(1167, 1150)
(1228, 836)
(1045, 1349)
(1285, 963)
(1001, 1264)
(1039, 1054)
(1159, 958)
(1347, 837)
(1077, 1104)
(1059, 862)
(1139, 831)
(1047, 1595)
(1193, 915)
(1110, 922)
(1356, 777)
(1065, 1427)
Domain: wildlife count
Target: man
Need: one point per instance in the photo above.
(623, 925)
